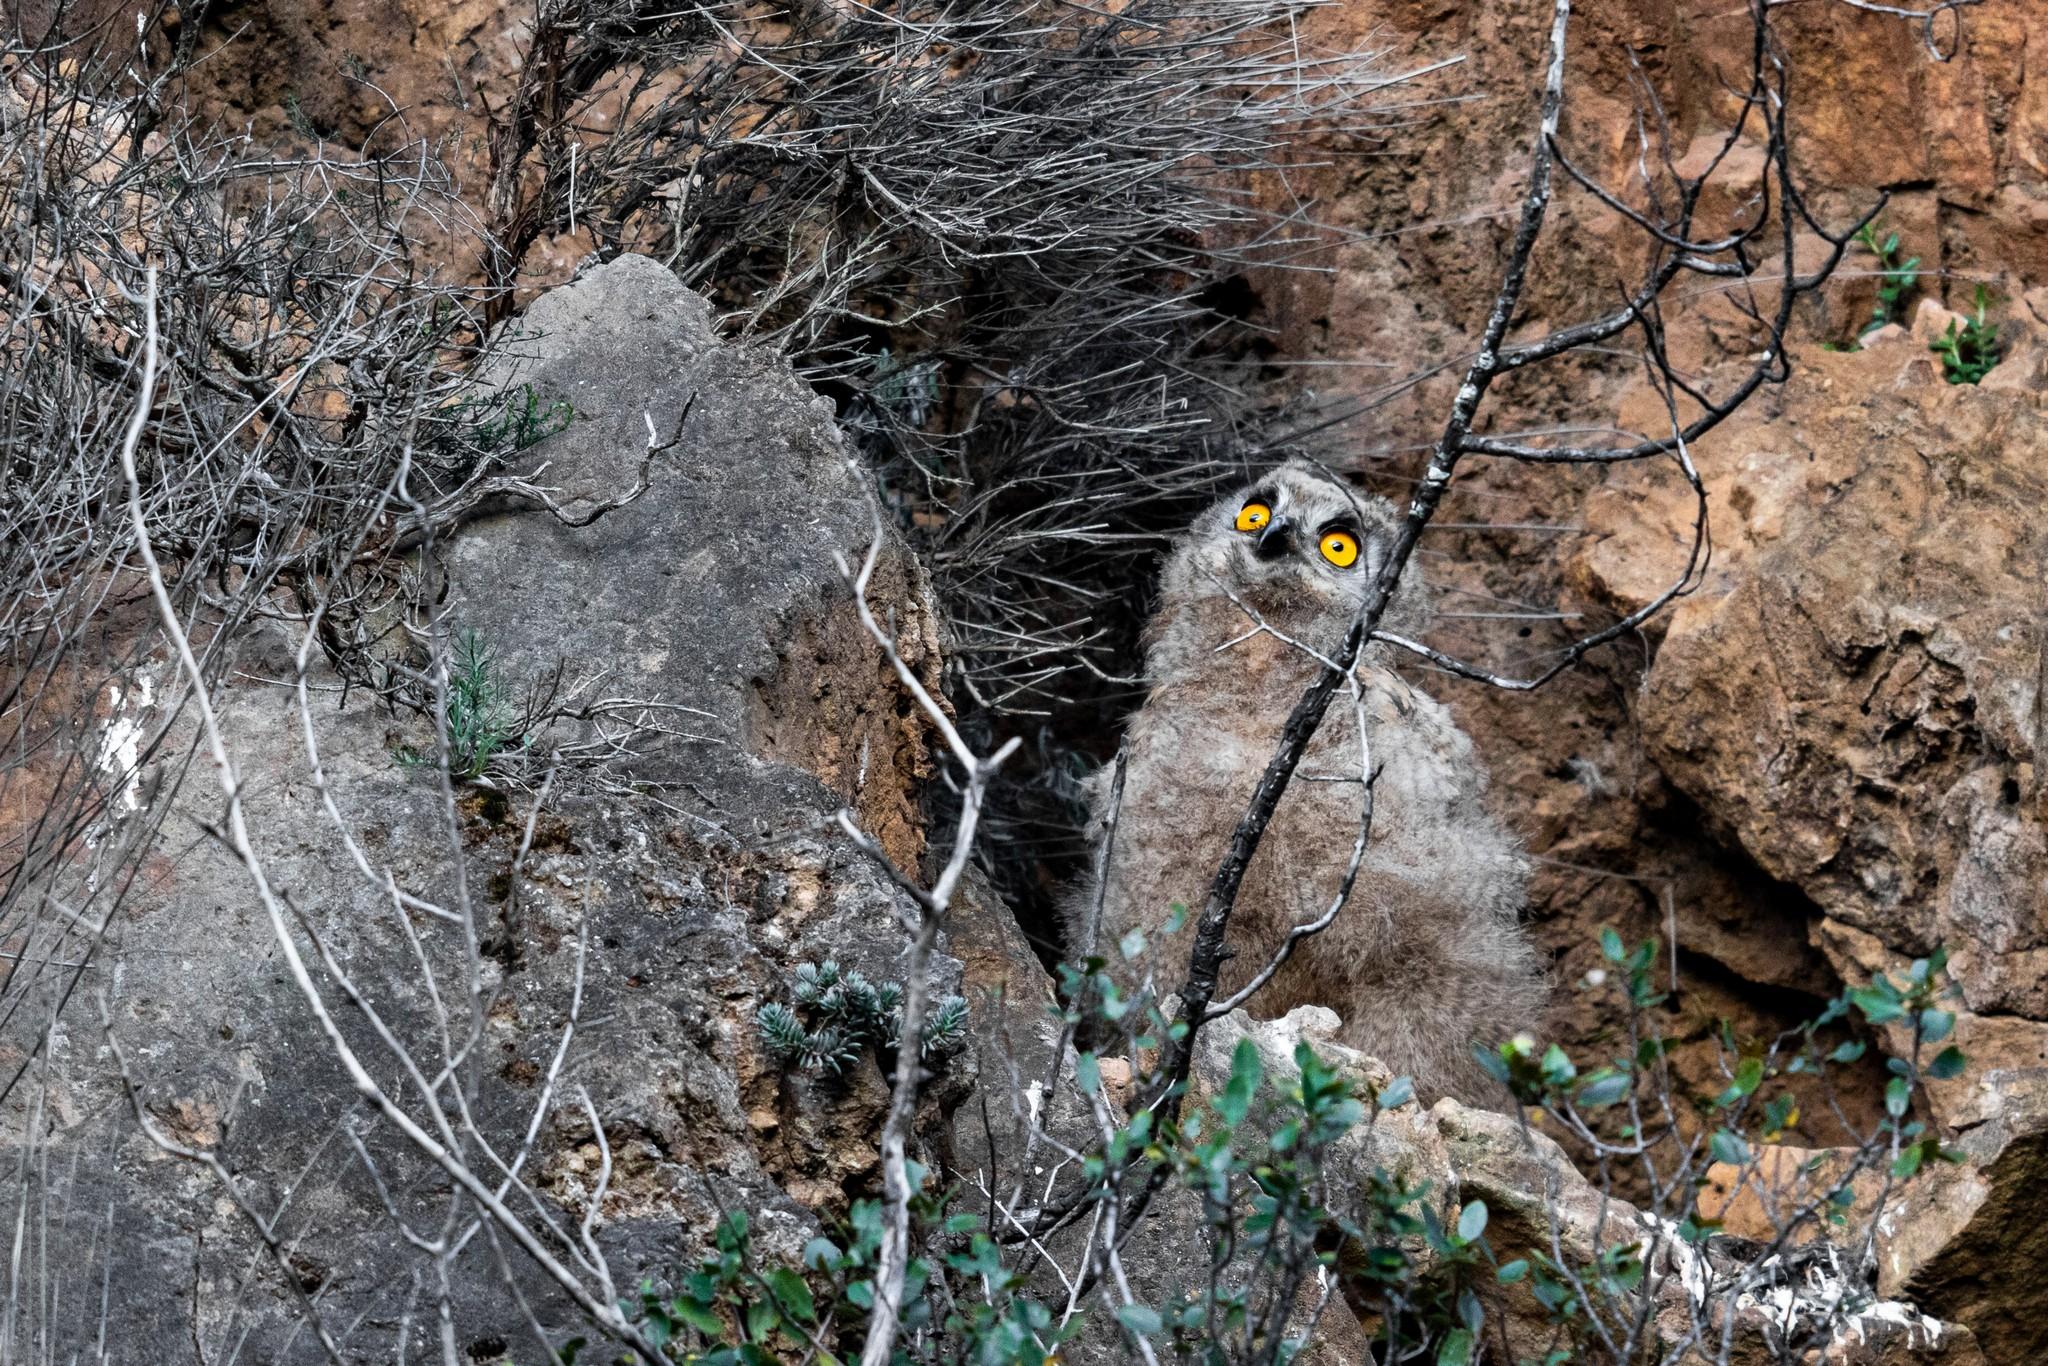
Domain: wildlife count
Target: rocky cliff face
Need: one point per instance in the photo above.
(1854, 702)
(1821, 764)
(576, 979)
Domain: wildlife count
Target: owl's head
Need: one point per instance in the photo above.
(1299, 547)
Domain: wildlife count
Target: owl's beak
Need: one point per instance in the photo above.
(1273, 539)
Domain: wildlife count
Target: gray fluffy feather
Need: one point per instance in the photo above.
(1428, 957)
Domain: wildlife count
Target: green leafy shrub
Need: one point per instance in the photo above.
(1590, 1307)
(1896, 279)
(1255, 1166)
(1253, 1160)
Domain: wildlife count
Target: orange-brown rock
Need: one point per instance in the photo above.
(1853, 695)
(1784, 1189)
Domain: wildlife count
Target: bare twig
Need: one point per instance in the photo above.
(885, 1318)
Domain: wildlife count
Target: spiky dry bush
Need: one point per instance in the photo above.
(994, 231)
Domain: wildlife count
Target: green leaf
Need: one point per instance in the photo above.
(1472, 1221)
(1879, 1002)
(1132, 944)
(792, 1294)
(1140, 1319)
(1087, 1074)
(762, 1320)
(1946, 1064)
(1245, 1074)
(1897, 1096)
(1728, 1147)
(1906, 1163)
(699, 1315)
(1604, 1090)
(1611, 946)
(1510, 1272)
(1748, 1074)
(1456, 1349)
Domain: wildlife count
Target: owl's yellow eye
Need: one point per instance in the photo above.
(1252, 516)
(1340, 548)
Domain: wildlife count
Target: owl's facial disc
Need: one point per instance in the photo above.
(1298, 548)
(1279, 525)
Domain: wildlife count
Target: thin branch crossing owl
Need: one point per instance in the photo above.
(1427, 957)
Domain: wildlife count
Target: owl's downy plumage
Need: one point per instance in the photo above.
(1427, 957)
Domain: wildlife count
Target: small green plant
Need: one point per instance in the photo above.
(729, 1312)
(478, 720)
(847, 1015)
(1896, 279)
(522, 420)
(492, 426)
(1253, 1157)
(1970, 349)
(910, 389)
(295, 115)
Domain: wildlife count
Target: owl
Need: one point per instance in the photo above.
(1427, 957)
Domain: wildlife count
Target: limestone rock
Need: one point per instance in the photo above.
(740, 525)
(1855, 698)
(1758, 1201)
(1952, 1242)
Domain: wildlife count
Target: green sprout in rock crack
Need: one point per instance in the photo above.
(477, 719)
(1970, 349)
(848, 1014)
(296, 116)
(1896, 279)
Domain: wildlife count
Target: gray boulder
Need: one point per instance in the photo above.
(659, 907)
